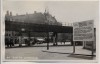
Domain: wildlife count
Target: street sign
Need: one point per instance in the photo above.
(83, 31)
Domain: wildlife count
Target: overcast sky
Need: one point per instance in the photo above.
(64, 11)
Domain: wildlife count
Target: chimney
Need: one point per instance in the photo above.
(35, 12)
(17, 14)
(10, 13)
(26, 13)
(7, 13)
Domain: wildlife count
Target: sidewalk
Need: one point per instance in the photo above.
(79, 52)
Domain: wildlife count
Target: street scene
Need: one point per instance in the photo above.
(40, 52)
(46, 30)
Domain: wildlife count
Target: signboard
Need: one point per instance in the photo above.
(83, 31)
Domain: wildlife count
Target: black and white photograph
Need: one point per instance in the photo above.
(50, 31)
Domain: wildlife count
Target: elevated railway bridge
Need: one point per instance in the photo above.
(23, 27)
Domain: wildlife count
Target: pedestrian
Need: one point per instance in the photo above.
(10, 42)
(7, 42)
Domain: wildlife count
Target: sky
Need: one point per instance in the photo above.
(66, 12)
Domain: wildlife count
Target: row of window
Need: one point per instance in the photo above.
(11, 34)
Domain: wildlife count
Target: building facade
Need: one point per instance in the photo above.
(35, 18)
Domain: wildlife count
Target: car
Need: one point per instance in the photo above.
(40, 40)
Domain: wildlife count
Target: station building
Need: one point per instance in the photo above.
(35, 18)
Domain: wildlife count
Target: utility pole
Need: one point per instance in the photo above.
(46, 13)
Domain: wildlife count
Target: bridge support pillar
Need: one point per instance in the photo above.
(55, 37)
(29, 38)
(72, 40)
(20, 39)
(47, 40)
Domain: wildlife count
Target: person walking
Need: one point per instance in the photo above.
(11, 42)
